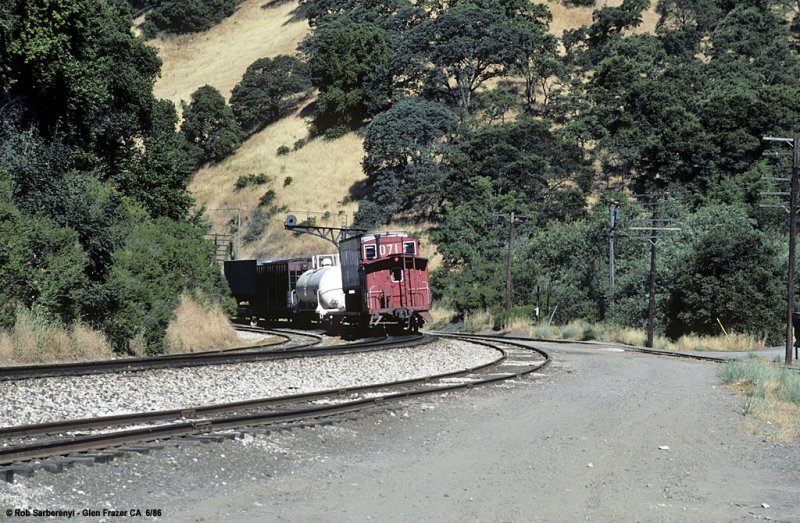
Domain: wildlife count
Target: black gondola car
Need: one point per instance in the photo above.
(266, 288)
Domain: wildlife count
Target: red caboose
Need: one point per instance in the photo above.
(385, 281)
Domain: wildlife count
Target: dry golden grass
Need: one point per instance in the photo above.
(516, 324)
(199, 327)
(33, 339)
(442, 316)
(733, 342)
(322, 173)
(479, 321)
(627, 336)
(220, 56)
(571, 17)
(773, 419)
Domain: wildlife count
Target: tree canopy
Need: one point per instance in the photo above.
(209, 125)
(87, 155)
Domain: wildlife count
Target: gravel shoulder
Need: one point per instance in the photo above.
(588, 440)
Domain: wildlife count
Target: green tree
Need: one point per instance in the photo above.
(525, 161)
(187, 16)
(350, 67)
(402, 147)
(269, 89)
(468, 238)
(161, 171)
(161, 260)
(570, 259)
(451, 56)
(729, 270)
(42, 265)
(521, 167)
(320, 12)
(80, 73)
(586, 45)
(208, 123)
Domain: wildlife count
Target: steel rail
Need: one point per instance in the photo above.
(627, 348)
(190, 412)
(41, 449)
(243, 354)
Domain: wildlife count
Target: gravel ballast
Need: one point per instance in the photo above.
(584, 441)
(53, 399)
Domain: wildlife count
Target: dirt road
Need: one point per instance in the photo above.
(603, 436)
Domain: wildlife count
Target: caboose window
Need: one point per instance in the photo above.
(397, 274)
(370, 253)
(409, 248)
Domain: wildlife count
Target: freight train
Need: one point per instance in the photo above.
(375, 280)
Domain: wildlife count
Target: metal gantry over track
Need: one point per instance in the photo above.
(335, 235)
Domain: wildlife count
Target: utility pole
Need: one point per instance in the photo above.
(792, 247)
(662, 221)
(794, 186)
(512, 218)
(507, 302)
(612, 224)
(651, 304)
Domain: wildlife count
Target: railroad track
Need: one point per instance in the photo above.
(108, 435)
(299, 344)
(628, 348)
(631, 348)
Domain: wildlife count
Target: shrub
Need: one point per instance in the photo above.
(199, 325)
(161, 260)
(256, 225)
(283, 150)
(299, 144)
(579, 330)
(287, 181)
(250, 179)
(267, 198)
(543, 331)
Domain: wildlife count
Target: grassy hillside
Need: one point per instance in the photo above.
(321, 173)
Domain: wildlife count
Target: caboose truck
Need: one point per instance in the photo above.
(384, 281)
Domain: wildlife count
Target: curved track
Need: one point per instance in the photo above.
(514, 360)
(295, 344)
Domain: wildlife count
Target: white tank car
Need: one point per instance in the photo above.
(321, 290)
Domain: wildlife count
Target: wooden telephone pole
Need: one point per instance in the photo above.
(612, 268)
(794, 186)
(658, 222)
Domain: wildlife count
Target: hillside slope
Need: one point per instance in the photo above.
(322, 173)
